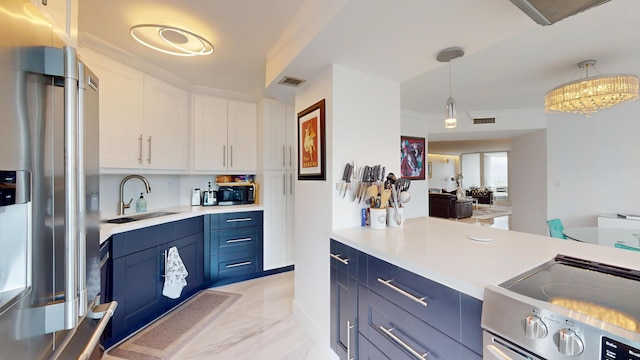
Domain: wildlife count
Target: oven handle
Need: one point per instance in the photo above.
(503, 351)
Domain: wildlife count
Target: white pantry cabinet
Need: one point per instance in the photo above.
(276, 124)
(278, 194)
(144, 122)
(225, 134)
(63, 16)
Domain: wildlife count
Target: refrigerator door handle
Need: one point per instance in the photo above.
(81, 196)
(71, 186)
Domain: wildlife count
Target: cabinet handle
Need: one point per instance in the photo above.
(283, 156)
(337, 257)
(231, 155)
(239, 264)
(399, 341)
(149, 158)
(284, 185)
(290, 157)
(238, 220)
(349, 327)
(140, 150)
(291, 184)
(239, 240)
(165, 254)
(224, 155)
(404, 292)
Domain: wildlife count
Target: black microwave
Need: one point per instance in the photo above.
(236, 195)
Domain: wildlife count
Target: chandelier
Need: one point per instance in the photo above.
(591, 94)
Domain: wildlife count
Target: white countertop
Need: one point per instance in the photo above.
(440, 250)
(181, 212)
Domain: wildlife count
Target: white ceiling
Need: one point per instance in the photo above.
(510, 61)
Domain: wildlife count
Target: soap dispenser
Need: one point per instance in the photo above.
(141, 204)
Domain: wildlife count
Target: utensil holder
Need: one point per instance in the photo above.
(378, 218)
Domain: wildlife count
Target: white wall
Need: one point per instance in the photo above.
(593, 165)
(528, 183)
(444, 167)
(362, 124)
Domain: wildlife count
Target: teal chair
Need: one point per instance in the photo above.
(556, 228)
(626, 247)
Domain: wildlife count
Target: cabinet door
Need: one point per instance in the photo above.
(242, 136)
(209, 133)
(273, 125)
(275, 219)
(191, 250)
(344, 307)
(121, 87)
(63, 15)
(166, 123)
(137, 287)
(291, 126)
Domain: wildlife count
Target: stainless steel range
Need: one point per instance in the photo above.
(566, 308)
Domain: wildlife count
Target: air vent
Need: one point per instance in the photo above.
(484, 121)
(290, 81)
(547, 12)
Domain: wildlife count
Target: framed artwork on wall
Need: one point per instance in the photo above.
(430, 169)
(311, 143)
(412, 156)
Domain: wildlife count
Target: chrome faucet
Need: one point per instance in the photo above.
(121, 204)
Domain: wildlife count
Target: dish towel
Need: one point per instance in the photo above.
(175, 275)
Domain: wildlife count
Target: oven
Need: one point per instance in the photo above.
(566, 308)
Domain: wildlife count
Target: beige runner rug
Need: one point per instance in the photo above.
(166, 336)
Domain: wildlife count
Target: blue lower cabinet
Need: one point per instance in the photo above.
(137, 286)
(398, 314)
(138, 270)
(233, 247)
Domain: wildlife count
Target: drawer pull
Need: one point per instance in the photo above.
(239, 220)
(239, 264)
(337, 257)
(398, 341)
(403, 292)
(239, 240)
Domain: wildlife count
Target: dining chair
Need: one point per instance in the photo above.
(556, 228)
(626, 247)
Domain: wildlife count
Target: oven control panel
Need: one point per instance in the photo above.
(611, 349)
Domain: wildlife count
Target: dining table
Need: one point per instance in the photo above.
(604, 236)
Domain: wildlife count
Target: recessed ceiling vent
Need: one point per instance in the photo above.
(547, 12)
(290, 81)
(478, 121)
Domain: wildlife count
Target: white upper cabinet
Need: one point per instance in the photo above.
(276, 127)
(144, 122)
(224, 135)
(166, 126)
(63, 16)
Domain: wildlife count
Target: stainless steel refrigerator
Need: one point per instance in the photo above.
(49, 191)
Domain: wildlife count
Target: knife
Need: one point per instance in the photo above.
(345, 177)
(363, 180)
(348, 180)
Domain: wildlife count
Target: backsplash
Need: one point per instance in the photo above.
(166, 191)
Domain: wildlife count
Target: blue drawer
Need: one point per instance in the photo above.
(393, 331)
(344, 258)
(236, 220)
(133, 241)
(403, 287)
(239, 263)
(240, 239)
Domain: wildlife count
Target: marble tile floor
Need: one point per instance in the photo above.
(260, 325)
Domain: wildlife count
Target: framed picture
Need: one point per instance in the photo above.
(311, 143)
(429, 170)
(412, 158)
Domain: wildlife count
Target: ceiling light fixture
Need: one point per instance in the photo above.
(591, 94)
(171, 40)
(447, 55)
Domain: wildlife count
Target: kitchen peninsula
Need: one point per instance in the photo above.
(428, 277)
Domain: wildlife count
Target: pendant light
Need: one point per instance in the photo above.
(447, 55)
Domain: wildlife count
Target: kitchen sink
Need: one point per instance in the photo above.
(127, 219)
